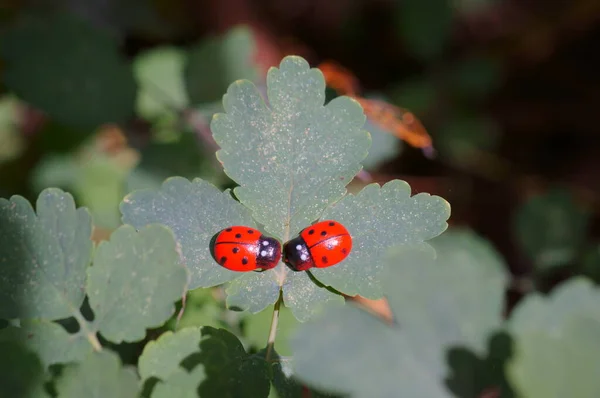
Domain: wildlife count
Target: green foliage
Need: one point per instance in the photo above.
(68, 69)
(11, 141)
(43, 257)
(557, 349)
(437, 304)
(21, 372)
(98, 375)
(195, 211)
(213, 64)
(147, 259)
(551, 228)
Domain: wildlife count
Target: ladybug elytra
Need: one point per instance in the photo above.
(321, 245)
(242, 249)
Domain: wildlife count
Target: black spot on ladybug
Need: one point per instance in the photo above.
(238, 235)
(223, 260)
(331, 224)
(229, 229)
(344, 251)
(312, 231)
(323, 233)
(250, 231)
(245, 260)
(324, 259)
(235, 250)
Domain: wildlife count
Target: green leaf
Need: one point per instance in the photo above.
(214, 63)
(180, 384)
(50, 341)
(201, 309)
(44, 257)
(439, 303)
(254, 292)
(551, 228)
(294, 158)
(159, 73)
(21, 373)
(68, 69)
(377, 218)
(161, 358)
(99, 375)
(195, 211)
(475, 77)
(229, 370)
(135, 280)
(425, 27)
(256, 329)
(557, 342)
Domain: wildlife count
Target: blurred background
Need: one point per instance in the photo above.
(100, 97)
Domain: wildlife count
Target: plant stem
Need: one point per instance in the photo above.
(89, 334)
(273, 331)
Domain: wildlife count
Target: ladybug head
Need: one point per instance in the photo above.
(269, 252)
(296, 255)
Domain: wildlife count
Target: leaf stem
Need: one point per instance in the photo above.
(89, 334)
(273, 331)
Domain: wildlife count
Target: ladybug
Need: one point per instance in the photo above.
(321, 245)
(242, 249)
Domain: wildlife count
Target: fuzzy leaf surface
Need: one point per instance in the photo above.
(195, 211)
(162, 357)
(294, 157)
(378, 218)
(557, 342)
(135, 281)
(50, 341)
(447, 307)
(181, 384)
(43, 257)
(99, 375)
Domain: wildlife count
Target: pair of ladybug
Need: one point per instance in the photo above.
(321, 245)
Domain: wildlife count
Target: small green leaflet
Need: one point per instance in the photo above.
(181, 384)
(99, 375)
(50, 341)
(43, 257)
(378, 218)
(294, 158)
(195, 211)
(437, 304)
(162, 357)
(557, 342)
(135, 280)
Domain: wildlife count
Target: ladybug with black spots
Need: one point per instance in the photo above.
(243, 249)
(321, 245)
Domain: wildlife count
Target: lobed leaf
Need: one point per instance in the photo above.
(557, 349)
(181, 384)
(68, 69)
(50, 341)
(378, 218)
(195, 211)
(161, 358)
(43, 257)
(135, 280)
(293, 158)
(99, 375)
(437, 303)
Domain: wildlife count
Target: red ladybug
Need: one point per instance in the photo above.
(321, 245)
(244, 249)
